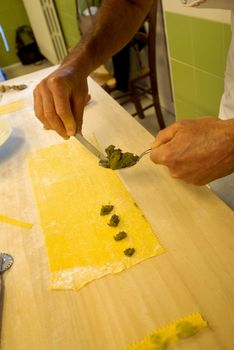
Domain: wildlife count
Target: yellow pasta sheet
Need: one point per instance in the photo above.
(70, 189)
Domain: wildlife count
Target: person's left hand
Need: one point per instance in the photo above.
(59, 100)
(196, 151)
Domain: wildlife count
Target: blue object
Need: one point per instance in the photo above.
(2, 75)
(4, 39)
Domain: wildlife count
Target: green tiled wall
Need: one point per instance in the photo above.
(68, 18)
(198, 50)
(12, 15)
(67, 14)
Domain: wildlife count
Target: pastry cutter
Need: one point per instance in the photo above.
(6, 261)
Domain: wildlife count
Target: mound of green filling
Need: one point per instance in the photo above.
(117, 159)
(114, 220)
(106, 209)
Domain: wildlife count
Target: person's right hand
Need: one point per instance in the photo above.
(59, 100)
(196, 151)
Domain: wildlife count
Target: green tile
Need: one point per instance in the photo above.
(7, 58)
(207, 39)
(70, 29)
(72, 41)
(209, 92)
(179, 36)
(4, 7)
(185, 111)
(183, 82)
(14, 20)
(197, 73)
(68, 18)
(66, 7)
(12, 16)
(11, 6)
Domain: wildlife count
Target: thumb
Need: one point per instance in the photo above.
(160, 154)
(78, 110)
(88, 98)
(165, 135)
(78, 103)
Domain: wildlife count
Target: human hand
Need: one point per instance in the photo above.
(196, 151)
(59, 100)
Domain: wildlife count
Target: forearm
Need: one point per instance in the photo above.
(116, 24)
(60, 98)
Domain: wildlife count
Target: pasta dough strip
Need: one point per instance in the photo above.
(16, 222)
(163, 337)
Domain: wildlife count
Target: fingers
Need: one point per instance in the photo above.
(192, 150)
(161, 155)
(52, 106)
(166, 134)
(61, 100)
(88, 98)
(165, 155)
(45, 110)
(161, 152)
(50, 113)
(78, 104)
(38, 108)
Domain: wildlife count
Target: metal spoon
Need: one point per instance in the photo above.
(140, 156)
(101, 162)
(144, 153)
(6, 261)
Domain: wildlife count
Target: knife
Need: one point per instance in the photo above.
(90, 147)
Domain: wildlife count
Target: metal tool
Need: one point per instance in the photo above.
(144, 153)
(90, 147)
(136, 160)
(140, 156)
(6, 261)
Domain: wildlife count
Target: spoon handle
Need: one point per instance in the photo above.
(145, 152)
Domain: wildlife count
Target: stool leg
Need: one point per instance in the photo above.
(136, 100)
(157, 107)
(152, 19)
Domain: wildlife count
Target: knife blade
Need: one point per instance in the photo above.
(90, 147)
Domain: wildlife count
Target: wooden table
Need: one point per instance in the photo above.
(195, 274)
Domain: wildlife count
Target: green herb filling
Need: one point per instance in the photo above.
(121, 235)
(114, 220)
(129, 251)
(186, 329)
(106, 209)
(117, 159)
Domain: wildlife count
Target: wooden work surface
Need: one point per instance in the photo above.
(195, 274)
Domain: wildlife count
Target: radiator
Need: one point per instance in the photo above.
(46, 28)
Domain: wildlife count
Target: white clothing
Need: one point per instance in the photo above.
(215, 4)
(223, 187)
(227, 101)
